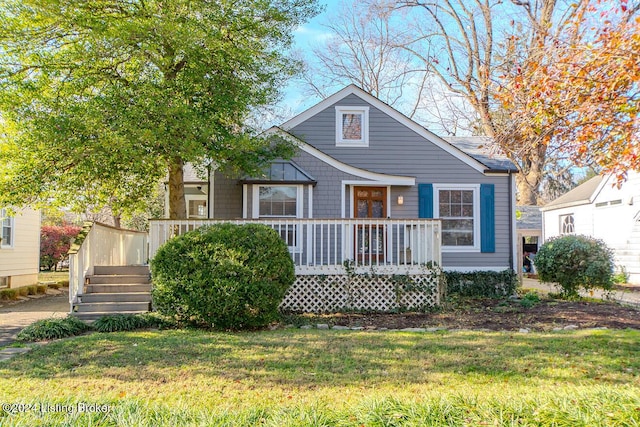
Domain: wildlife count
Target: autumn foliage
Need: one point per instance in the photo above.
(581, 94)
(55, 241)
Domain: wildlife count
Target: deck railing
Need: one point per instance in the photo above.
(325, 246)
(100, 244)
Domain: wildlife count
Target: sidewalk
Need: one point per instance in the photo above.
(622, 296)
(14, 316)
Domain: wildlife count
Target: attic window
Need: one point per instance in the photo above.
(281, 171)
(352, 126)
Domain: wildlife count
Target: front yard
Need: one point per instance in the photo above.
(300, 377)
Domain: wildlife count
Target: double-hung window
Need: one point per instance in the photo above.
(458, 207)
(280, 201)
(7, 229)
(352, 126)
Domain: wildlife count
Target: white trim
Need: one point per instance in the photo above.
(245, 199)
(380, 178)
(12, 229)
(190, 197)
(514, 228)
(401, 118)
(255, 200)
(476, 214)
(364, 140)
(472, 269)
(343, 199)
(388, 201)
(310, 207)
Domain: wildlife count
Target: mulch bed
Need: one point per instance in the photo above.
(498, 315)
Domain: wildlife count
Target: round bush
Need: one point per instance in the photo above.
(575, 262)
(223, 276)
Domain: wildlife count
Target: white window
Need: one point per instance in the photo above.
(7, 229)
(280, 201)
(567, 224)
(352, 126)
(197, 208)
(458, 208)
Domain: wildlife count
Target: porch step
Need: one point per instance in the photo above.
(113, 307)
(114, 290)
(117, 278)
(116, 297)
(111, 270)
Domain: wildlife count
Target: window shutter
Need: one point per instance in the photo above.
(487, 218)
(425, 200)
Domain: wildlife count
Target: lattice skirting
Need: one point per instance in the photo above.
(376, 293)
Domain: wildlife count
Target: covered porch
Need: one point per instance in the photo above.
(337, 246)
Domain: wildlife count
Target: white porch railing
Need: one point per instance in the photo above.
(323, 246)
(100, 244)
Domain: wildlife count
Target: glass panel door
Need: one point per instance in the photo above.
(370, 241)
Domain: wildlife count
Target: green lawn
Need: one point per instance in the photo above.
(334, 378)
(53, 276)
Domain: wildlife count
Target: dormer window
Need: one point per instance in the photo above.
(352, 126)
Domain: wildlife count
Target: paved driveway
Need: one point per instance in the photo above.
(16, 315)
(631, 297)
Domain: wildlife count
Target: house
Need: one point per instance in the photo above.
(601, 209)
(19, 248)
(360, 158)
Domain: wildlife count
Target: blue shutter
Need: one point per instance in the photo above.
(425, 200)
(487, 218)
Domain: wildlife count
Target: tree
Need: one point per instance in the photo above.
(102, 99)
(55, 241)
(364, 49)
(469, 44)
(588, 94)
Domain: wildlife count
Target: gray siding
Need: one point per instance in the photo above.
(397, 150)
(227, 197)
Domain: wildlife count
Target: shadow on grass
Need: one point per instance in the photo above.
(329, 358)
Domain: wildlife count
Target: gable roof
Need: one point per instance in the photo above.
(583, 194)
(470, 159)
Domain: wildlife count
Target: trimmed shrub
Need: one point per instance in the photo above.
(48, 329)
(575, 262)
(482, 284)
(224, 276)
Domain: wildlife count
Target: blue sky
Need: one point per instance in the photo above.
(306, 37)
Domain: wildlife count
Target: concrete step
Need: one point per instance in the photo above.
(111, 307)
(116, 297)
(111, 270)
(117, 279)
(111, 288)
(91, 316)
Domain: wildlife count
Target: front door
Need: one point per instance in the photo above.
(370, 202)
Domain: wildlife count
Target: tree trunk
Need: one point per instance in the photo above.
(177, 204)
(529, 179)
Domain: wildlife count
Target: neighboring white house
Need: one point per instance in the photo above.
(600, 209)
(19, 248)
